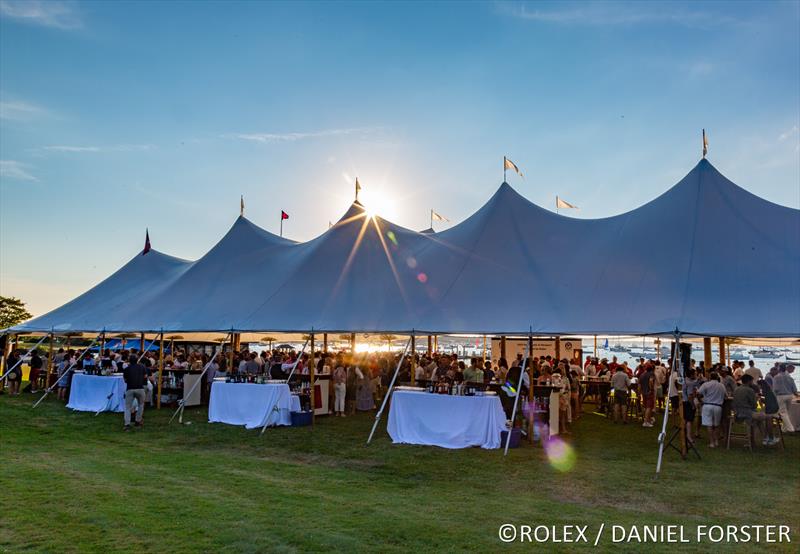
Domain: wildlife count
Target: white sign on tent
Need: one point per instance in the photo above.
(541, 348)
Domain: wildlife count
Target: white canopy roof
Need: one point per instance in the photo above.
(706, 258)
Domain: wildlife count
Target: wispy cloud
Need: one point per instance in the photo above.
(269, 138)
(90, 149)
(788, 134)
(51, 13)
(613, 14)
(19, 111)
(14, 170)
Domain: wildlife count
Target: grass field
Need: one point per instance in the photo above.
(74, 482)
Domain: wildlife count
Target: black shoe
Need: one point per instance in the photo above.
(139, 424)
(126, 428)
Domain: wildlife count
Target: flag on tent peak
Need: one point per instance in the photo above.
(564, 204)
(284, 215)
(146, 242)
(438, 217)
(508, 164)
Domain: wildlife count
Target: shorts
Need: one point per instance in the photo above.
(711, 415)
(15, 376)
(620, 397)
(649, 401)
(688, 410)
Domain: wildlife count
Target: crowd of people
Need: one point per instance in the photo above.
(359, 381)
(708, 396)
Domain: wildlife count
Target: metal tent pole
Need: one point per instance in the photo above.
(663, 434)
(6, 374)
(72, 365)
(519, 392)
(275, 404)
(389, 392)
(182, 403)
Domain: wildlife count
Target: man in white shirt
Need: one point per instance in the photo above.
(713, 395)
(754, 372)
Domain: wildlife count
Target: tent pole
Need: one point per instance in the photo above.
(413, 358)
(182, 403)
(519, 393)
(312, 370)
(389, 391)
(8, 372)
(722, 350)
(503, 347)
(49, 362)
(662, 436)
(111, 394)
(484, 349)
(275, 405)
(160, 369)
(325, 342)
(72, 365)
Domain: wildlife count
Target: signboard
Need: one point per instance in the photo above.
(541, 348)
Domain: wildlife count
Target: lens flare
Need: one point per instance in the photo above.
(561, 455)
(422, 278)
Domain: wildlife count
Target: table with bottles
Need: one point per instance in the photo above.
(449, 416)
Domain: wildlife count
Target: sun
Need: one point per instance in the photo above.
(377, 202)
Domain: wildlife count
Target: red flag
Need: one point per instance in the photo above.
(146, 242)
(284, 215)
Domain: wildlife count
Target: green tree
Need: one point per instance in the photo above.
(12, 311)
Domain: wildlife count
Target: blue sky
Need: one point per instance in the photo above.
(116, 116)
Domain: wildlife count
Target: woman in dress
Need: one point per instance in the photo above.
(364, 391)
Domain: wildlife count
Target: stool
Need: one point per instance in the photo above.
(748, 436)
(777, 423)
(634, 407)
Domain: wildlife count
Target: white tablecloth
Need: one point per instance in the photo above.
(446, 421)
(90, 393)
(249, 403)
(794, 413)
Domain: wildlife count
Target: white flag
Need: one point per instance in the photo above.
(438, 217)
(564, 204)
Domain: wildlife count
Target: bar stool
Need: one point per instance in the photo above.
(635, 406)
(747, 436)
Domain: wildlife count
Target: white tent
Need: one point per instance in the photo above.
(705, 258)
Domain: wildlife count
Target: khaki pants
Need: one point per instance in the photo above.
(138, 394)
(783, 410)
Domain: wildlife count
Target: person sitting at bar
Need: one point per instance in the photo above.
(745, 406)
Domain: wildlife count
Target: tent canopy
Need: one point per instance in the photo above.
(705, 258)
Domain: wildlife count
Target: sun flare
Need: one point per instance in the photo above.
(377, 202)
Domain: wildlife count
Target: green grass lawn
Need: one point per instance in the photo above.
(74, 482)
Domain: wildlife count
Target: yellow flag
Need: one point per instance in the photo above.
(508, 164)
(564, 204)
(438, 217)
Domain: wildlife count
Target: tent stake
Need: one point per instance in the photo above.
(389, 392)
(519, 392)
(72, 365)
(182, 403)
